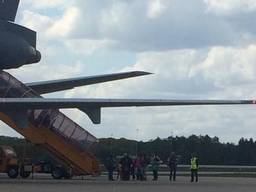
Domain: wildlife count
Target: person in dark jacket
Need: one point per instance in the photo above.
(138, 168)
(110, 165)
(133, 169)
(172, 163)
(126, 163)
(144, 161)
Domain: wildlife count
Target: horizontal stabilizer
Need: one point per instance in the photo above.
(8, 9)
(92, 106)
(65, 84)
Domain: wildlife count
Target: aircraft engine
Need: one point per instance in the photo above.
(17, 46)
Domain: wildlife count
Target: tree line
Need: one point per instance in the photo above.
(209, 149)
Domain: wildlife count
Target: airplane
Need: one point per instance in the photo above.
(21, 105)
(18, 48)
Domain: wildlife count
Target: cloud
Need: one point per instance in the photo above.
(88, 47)
(41, 72)
(197, 49)
(153, 25)
(43, 4)
(230, 7)
(187, 73)
(36, 21)
(216, 73)
(156, 8)
(229, 66)
(66, 24)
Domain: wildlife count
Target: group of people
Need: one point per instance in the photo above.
(127, 167)
(136, 169)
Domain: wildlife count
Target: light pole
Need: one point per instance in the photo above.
(111, 143)
(171, 138)
(137, 140)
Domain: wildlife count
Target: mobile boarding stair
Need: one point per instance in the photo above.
(67, 141)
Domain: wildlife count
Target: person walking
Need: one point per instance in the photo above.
(119, 171)
(144, 164)
(133, 169)
(110, 165)
(194, 168)
(172, 163)
(155, 162)
(138, 168)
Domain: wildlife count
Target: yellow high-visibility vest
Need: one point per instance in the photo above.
(193, 163)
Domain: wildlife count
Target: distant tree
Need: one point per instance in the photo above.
(209, 149)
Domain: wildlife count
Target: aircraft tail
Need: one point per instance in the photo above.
(8, 9)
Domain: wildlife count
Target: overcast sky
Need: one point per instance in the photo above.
(197, 49)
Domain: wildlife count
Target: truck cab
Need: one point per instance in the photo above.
(9, 162)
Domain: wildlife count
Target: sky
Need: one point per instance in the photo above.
(197, 49)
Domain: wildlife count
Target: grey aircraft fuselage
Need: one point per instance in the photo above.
(17, 46)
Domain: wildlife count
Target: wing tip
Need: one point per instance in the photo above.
(141, 73)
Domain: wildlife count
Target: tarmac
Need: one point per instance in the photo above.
(100, 184)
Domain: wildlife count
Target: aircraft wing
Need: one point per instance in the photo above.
(92, 107)
(8, 9)
(65, 84)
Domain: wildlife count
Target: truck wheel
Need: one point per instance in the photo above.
(13, 172)
(57, 173)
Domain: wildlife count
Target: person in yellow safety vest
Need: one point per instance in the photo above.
(194, 168)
